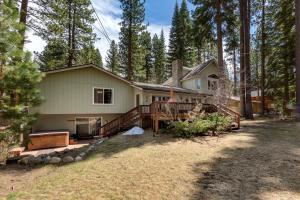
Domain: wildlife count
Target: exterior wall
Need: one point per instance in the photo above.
(66, 122)
(203, 76)
(180, 97)
(71, 92)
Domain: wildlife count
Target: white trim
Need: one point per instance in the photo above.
(103, 104)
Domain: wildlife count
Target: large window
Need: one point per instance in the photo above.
(198, 83)
(103, 96)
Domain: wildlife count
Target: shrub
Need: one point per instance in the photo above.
(200, 126)
(212, 122)
(220, 122)
(181, 129)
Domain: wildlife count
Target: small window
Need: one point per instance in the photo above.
(103, 96)
(212, 85)
(198, 83)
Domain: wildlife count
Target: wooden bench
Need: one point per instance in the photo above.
(52, 139)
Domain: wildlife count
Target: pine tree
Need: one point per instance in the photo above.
(159, 59)
(173, 51)
(90, 55)
(280, 67)
(146, 45)
(245, 59)
(186, 44)
(19, 77)
(68, 21)
(131, 28)
(113, 59)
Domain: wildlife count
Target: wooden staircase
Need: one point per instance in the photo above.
(125, 121)
(161, 111)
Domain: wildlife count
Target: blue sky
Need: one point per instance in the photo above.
(157, 12)
(161, 11)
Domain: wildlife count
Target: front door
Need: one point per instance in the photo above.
(137, 100)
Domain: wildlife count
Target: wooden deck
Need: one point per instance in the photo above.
(151, 115)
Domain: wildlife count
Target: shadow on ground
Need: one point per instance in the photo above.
(268, 167)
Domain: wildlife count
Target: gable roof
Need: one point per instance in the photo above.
(63, 69)
(198, 69)
(185, 71)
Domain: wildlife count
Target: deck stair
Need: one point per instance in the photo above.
(125, 121)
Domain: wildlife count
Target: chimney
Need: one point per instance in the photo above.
(176, 73)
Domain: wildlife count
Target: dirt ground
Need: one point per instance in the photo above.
(260, 161)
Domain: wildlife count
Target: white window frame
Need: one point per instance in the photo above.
(103, 104)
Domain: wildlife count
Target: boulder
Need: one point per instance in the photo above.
(78, 158)
(55, 160)
(23, 161)
(47, 159)
(68, 159)
(82, 154)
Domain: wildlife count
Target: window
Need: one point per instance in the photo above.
(103, 96)
(212, 84)
(198, 83)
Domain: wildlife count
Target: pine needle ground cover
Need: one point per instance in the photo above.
(261, 161)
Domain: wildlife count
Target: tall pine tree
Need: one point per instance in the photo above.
(131, 28)
(146, 47)
(69, 22)
(19, 77)
(113, 59)
(159, 57)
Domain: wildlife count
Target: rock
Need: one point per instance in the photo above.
(82, 155)
(55, 160)
(78, 158)
(23, 161)
(47, 159)
(68, 159)
(38, 160)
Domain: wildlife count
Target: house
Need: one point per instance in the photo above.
(234, 103)
(83, 98)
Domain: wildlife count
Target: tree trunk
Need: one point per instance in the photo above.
(220, 52)
(263, 58)
(298, 59)
(199, 55)
(72, 56)
(248, 103)
(69, 33)
(286, 97)
(234, 74)
(242, 58)
(130, 69)
(23, 19)
(220, 39)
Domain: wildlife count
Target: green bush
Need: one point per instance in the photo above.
(181, 129)
(213, 122)
(220, 122)
(200, 126)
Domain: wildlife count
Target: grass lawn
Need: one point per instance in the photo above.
(261, 161)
